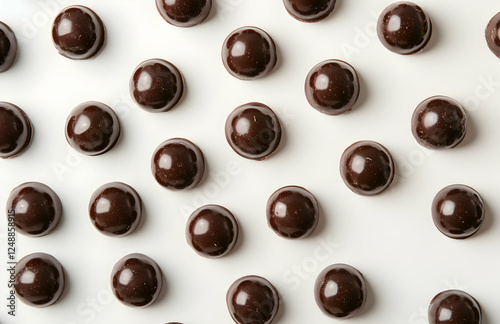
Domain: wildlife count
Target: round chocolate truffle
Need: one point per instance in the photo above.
(92, 128)
(8, 47)
(16, 131)
(492, 34)
(36, 209)
(78, 33)
(178, 164)
(454, 307)
(367, 168)
(136, 280)
(309, 10)
(332, 87)
(292, 212)
(253, 131)
(184, 13)
(404, 28)
(439, 122)
(212, 231)
(340, 291)
(39, 280)
(458, 211)
(115, 209)
(249, 53)
(156, 85)
(252, 300)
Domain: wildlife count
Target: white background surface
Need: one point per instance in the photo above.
(390, 238)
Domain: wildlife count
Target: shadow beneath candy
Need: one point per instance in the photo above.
(488, 219)
(435, 37)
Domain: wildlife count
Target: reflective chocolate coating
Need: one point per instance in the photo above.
(367, 168)
(492, 34)
(8, 47)
(212, 231)
(156, 85)
(332, 87)
(92, 128)
(136, 280)
(178, 164)
(340, 291)
(78, 33)
(454, 307)
(458, 211)
(37, 209)
(309, 10)
(404, 28)
(253, 131)
(115, 209)
(40, 280)
(439, 122)
(249, 53)
(184, 13)
(16, 131)
(292, 212)
(252, 300)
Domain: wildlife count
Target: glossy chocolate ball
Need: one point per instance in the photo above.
(340, 291)
(404, 28)
(492, 34)
(454, 307)
(8, 47)
(78, 33)
(115, 209)
(36, 208)
(16, 131)
(212, 231)
(178, 164)
(92, 128)
(332, 87)
(253, 131)
(184, 13)
(39, 280)
(252, 300)
(292, 212)
(136, 280)
(367, 168)
(458, 211)
(309, 10)
(156, 85)
(439, 123)
(249, 53)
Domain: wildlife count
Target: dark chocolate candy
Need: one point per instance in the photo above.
(492, 34)
(454, 307)
(16, 130)
(309, 10)
(184, 13)
(8, 47)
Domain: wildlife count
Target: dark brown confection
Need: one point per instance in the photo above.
(78, 33)
(8, 47)
(212, 231)
(37, 209)
(184, 13)
(439, 122)
(458, 211)
(92, 128)
(292, 212)
(136, 280)
(367, 168)
(252, 300)
(16, 131)
(340, 291)
(115, 209)
(253, 131)
(156, 85)
(332, 87)
(39, 280)
(309, 10)
(249, 53)
(492, 34)
(178, 164)
(454, 307)
(404, 28)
